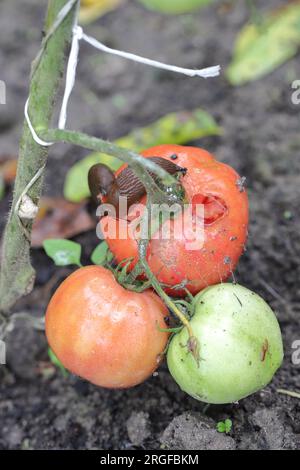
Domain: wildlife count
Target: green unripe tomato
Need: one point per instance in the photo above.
(174, 6)
(240, 346)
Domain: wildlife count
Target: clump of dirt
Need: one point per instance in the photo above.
(195, 432)
(40, 408)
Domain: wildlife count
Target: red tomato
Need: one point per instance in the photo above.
(219, 189)
(103, 332)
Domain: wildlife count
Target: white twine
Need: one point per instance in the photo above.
(79, 35)
(31, 128)
(204, 73)
(71, 74)
(61, 16)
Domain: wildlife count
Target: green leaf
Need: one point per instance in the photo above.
(175, 128)
(54, 359)
(63, 252)
(224, 426)
(99, 255)
(260, 49)
(175, 6)
(2, 188)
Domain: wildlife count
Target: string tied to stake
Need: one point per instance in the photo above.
(79, 35)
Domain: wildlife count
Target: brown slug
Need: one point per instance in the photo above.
(104, 186)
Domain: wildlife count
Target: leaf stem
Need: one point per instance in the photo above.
(168, 301)
(137, 162)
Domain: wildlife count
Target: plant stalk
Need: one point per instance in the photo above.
(17, 274)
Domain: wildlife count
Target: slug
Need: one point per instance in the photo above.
(104, 186)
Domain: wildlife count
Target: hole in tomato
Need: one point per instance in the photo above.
(214, 207)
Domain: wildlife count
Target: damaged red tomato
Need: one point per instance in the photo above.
(219, 192)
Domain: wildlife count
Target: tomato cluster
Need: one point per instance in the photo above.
(116, 338)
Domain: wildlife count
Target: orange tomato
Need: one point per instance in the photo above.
(219, 189)
(103, 332)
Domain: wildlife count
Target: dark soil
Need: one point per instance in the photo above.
(39, 408)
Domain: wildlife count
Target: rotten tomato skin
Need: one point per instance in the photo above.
(175, 261)
(103, 332)
(240, 346)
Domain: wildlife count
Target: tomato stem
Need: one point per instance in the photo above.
(192, 343)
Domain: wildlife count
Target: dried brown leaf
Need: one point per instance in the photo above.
(58, 218)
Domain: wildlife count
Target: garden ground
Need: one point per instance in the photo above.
(41, 409)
